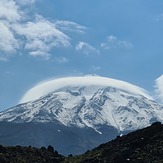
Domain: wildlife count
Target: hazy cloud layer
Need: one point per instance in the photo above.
(24, 2)
(113, 42)
(87, 49)
(69, 26)
(61, 59)
(159, 17)
(159, 88)
(36, 35)
(95, 68)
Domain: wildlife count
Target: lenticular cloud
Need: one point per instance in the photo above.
(93, 82)
(159, 88)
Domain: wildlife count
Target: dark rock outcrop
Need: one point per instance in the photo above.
(141, 146)
(29, 154)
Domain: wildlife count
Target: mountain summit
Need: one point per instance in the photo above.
(82, 107)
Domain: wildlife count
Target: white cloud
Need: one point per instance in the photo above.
(46, 87)
(159, 88)
(35, 44)
(9, 14)
(39, 53)
(70, 26)
(86, 48)
(35, 35)
(114, 43)
(24, 2)
(9, 11)
(41, 29)
(41, 36)
(8, 43)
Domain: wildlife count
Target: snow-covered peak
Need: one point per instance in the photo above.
(89, 106)
(91, 83)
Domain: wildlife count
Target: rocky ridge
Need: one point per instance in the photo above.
(141, 146)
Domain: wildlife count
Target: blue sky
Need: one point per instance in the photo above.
(40, 40)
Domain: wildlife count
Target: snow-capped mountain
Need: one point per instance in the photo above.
(94, 103)
(89, 105)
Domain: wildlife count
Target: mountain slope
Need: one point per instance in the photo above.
(83, 112)
(145, 145)
(71, 107)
